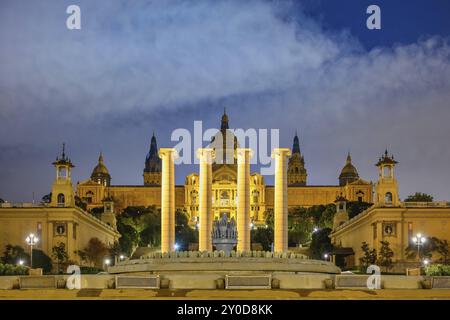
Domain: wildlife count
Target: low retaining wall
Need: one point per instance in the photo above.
(215, 280)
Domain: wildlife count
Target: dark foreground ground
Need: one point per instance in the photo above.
(141, 294)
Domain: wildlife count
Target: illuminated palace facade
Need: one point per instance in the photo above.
(300, 194)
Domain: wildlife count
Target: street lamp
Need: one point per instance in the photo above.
(325, 256)
(426, 262)
(31, 241)
(121, 257)
(315, 230)
(419, 240)
(21, 262)
(176, 246)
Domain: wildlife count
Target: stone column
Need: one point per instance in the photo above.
(206, 157)
(167, 156)
(243, 195)
(280, 200)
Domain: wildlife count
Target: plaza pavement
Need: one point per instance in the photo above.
(141, 294)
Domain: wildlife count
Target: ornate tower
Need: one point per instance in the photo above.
(341, 215)
(100, 174)
(225, 145)
(108, 215)
(296, 167)
(387, 186)
(152, 170)
(348, 173)
(62, 191)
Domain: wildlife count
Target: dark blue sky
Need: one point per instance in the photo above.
(141, 66)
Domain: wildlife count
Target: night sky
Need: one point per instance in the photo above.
(141, 66)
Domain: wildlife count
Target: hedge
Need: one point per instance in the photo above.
(438, 270)
(12, 270)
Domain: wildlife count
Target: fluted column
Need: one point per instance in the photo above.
(206, 157)
(167, 156)
(280, 201)
(243, 195)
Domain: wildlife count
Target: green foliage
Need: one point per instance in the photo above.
(184, 234)
(90, 270)
(268, 217)
(264, 236)
(436, 270)
(13, 254)
(80, 203)
(431, 245)
(97, 212)
(41, 260)
(47, 198)
(385, 256)
(94, 253)
(369, 257)
(60, 255)
(12, 270)
(320, 243)
(356, 207)
(419, 197)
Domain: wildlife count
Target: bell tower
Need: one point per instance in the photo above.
(62, 191)
(387, 186)
(296, 174)
(108, 215)
(341, 215)
(152, 170)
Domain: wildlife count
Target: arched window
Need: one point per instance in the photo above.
(387, 172)
(61, 199)
(388, 197)
(89, 196)
(62, 173)
(296, 170)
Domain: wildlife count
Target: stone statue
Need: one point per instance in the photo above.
(224, 234)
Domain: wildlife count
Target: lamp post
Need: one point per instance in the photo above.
(31, 241)
(419, 240)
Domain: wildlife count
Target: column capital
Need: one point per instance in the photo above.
(283, 152)
(167, 151)
(207, 154)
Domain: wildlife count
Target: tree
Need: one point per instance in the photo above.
(184, 234)
(2, 201)
(356, 207)
(47, 198)
(60, 255)
(419, 197)
(13, 254)
(97, 212)
(41, 260)
(320, 243)
(385, 255)
(264, 236)
(426, 249)
(94, 252)
(443, 249)
(80, 203)
(369, 257)
(269, 218)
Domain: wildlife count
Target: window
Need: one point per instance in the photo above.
(387, 172)
(62, 173)
(89, 196)
(388, 197)
(61, 199)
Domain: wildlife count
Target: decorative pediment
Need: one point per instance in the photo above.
(359, 182)
(224, 174)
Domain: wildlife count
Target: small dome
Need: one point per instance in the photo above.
(100, 168)
(348, 172)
